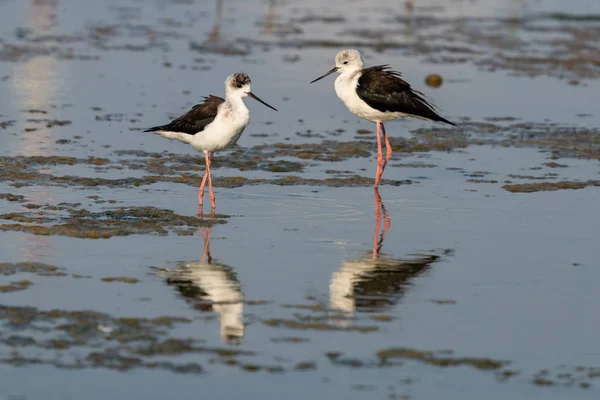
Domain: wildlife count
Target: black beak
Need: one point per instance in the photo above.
(331, 71)
(255, 97)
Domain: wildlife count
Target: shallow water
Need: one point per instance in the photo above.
(308, 283)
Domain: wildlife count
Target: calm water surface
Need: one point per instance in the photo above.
(462, 270)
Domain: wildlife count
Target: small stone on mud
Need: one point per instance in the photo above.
(434, 80)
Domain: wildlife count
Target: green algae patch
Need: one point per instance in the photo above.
(305, 366)
(309, 307)
(121, 221)
(12, 197)
(259, 302)
(382, 318)
(549, 186)
(316, 325)
(124, 279)
(439, 359)
(101, 340)
(443, 301)
(90, 339)
(280, 160)
(290, 339)
(559, 141)
(15, 286)
(413, 165)
(39, 269)
(350, 181)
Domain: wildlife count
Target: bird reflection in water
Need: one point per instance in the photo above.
(269, 24)
(409, 7)
(212, 287)
(271, 17)
(215, 32)
(217, 40)
(36, 85)
(375, 281)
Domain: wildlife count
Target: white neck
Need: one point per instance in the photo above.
(236, 103)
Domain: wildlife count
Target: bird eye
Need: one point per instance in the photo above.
(345, 62)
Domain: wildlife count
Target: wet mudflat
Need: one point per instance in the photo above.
(472, 272)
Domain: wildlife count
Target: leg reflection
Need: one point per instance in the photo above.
(215, 32)
(270, 23)
(379, 210)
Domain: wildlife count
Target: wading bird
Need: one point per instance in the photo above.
(213, 125)
(378, 94)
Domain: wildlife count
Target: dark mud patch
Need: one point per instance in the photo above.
(316, 324)
(559, 141)
(531, 44)
(442, 359)
(532, 177)
(170, 168)
(257, 302)
(290, 340)
(397, 357)
(123, 279)
(188, 169)
(6, 124)
(333, 151)
(555, 165)
(482, 181)
(15, 286)
(443, 301)
(33, 161)
(565, 376)
(548, 186)
(526, 44)
(413, 165)
(310, 307)
(38, 269)
(382, 318)
(89, 339)
(12, 197)
(121, 221)
(305, 366)
(89, 43)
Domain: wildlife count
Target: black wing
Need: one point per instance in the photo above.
(384, 90)
(195, 120)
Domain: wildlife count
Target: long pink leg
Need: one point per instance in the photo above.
(379, 156)
(201, 189)
(388, 148)
(211, 193)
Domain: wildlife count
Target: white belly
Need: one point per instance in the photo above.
(345, 88)
(222, 133)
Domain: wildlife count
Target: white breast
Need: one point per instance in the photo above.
(345, 88)
(225, 130)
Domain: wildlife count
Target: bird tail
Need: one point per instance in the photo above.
(154, 129)
(444, 120)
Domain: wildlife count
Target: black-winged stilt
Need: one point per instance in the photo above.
(378, 94)
(213, 125)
